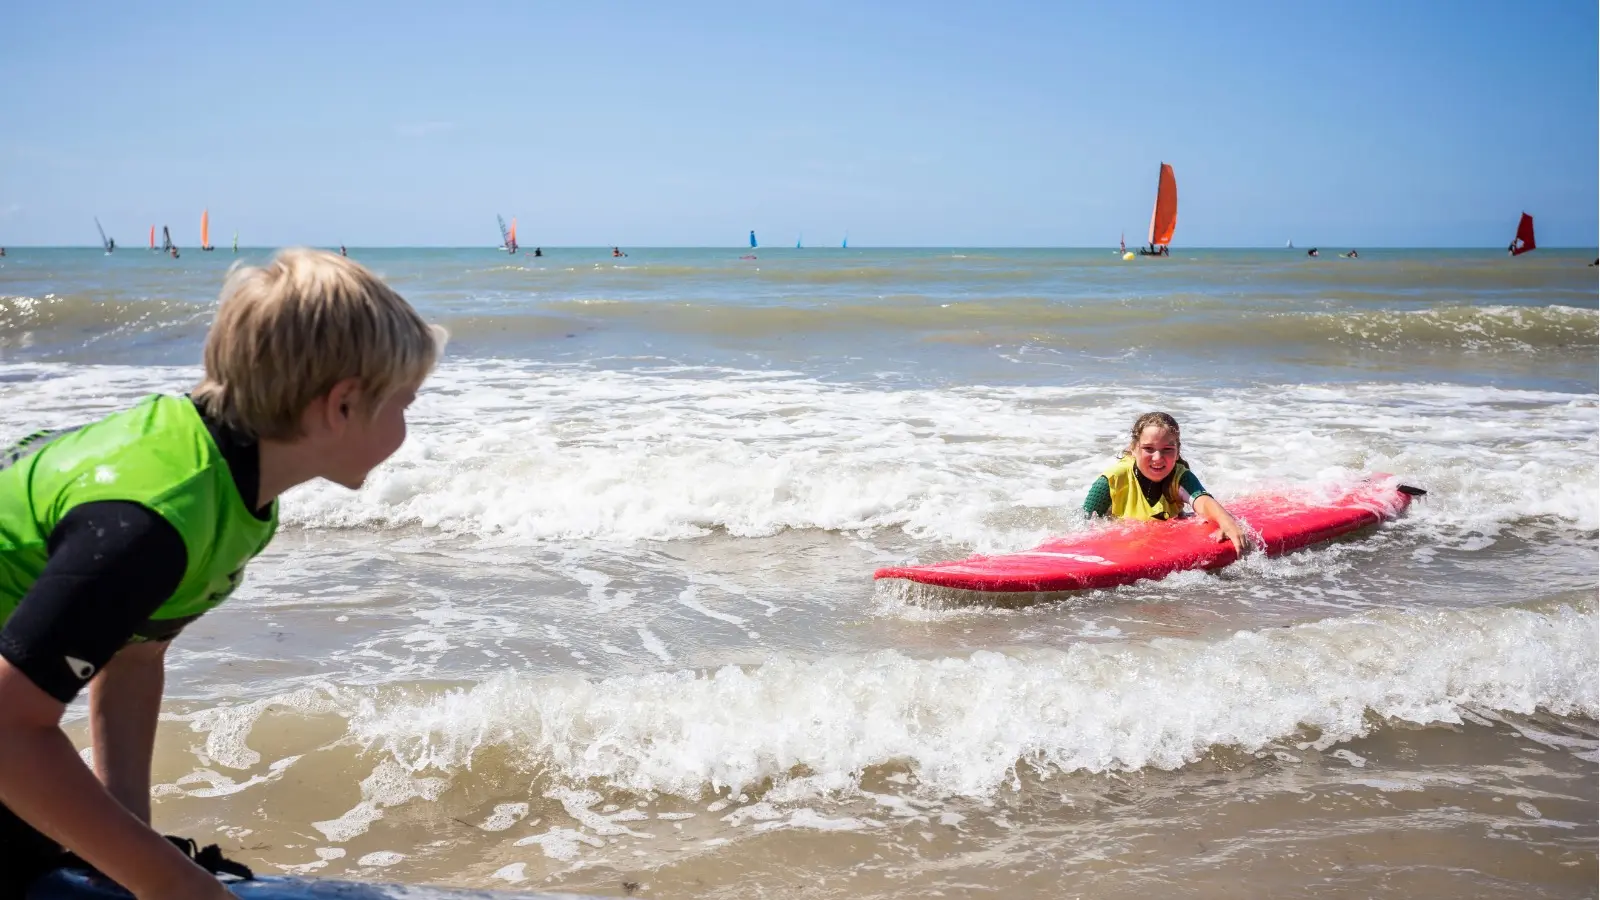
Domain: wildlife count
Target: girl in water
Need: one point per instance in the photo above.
(1150, 480)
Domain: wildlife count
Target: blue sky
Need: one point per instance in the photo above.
(931, 124)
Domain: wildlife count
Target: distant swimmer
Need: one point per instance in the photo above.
(1351, 255)
(538, 251)
(748, 256)
(1312, 252)
(341, 251)
(2, 251)
(616, 251)
(173, 252)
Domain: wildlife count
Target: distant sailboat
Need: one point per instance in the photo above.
(166, 240)
(797, 241)
(205, 231)
(105, 242)
(1164, 218)
(236, 242)
(508, 237)
(845, 244)
(1523, 242)
(1122, 243)
(152, 237)
(752, 240)
(1289, 244)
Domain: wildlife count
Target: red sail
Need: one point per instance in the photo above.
(1524, 241)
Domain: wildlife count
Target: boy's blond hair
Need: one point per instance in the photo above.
(287, 332)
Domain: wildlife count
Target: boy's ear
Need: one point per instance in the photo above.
(340, 402)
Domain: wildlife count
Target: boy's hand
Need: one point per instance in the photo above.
(194, 884)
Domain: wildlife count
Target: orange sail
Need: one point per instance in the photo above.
(1164, 218)
(513, 231)
(205, 229)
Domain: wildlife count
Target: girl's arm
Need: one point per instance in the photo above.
(1098, 503)
(1227, 526)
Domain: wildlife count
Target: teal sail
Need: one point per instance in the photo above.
(798, 240)
(846, 242)
(752, 238)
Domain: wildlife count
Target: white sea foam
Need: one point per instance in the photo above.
(529, 453)
(964, 724)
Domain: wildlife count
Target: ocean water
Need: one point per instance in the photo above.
(608, 616)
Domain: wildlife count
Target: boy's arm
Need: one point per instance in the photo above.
(124, 705)
(43, 781)
(111, 564)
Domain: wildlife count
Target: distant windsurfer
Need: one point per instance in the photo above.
(538, 251)
(111, 245)
(341, 251)
(173, 251)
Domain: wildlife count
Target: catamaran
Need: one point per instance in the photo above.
(1164, 218)
(205, 231)
(1523, 242)
(152, 237)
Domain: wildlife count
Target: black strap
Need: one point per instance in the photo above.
(208, 857)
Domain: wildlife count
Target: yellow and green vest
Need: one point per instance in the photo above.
(1127, 498)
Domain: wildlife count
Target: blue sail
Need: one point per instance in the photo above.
(752, 238)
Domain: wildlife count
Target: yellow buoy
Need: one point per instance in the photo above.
(1128, 255)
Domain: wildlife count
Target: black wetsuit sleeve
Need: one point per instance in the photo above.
(1098, 503)
(111, 565)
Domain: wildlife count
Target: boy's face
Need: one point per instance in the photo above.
(368, 439)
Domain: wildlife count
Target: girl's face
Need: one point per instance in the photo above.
(1156, 452)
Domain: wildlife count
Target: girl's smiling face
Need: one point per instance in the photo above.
(1156, 452)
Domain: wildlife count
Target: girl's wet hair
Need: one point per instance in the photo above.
(1162, 419)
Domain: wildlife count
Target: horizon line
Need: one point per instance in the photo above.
(497, 249)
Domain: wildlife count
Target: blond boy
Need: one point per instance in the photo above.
(116, 535)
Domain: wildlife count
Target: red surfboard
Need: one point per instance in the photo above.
(1132, 551)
